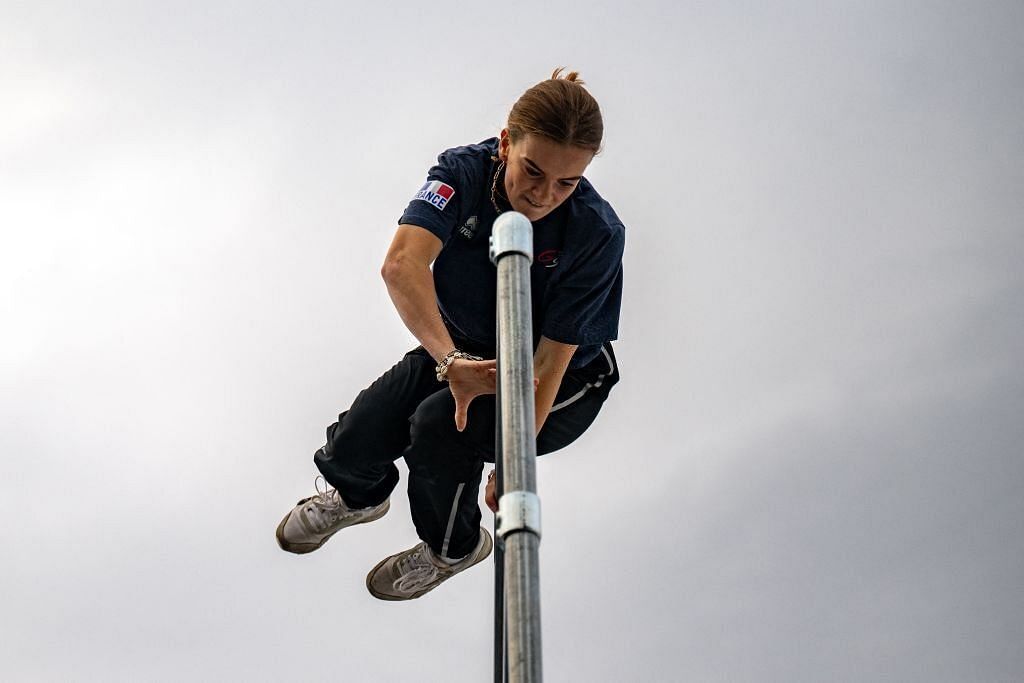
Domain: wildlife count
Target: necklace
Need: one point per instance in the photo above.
(494, 188)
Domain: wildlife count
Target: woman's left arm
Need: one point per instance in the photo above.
(549, 364)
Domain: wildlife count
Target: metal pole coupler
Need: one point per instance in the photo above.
(511, 234)
(518, 511)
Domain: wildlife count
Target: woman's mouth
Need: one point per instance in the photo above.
(533, 203)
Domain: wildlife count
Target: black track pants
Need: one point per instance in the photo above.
(407, 414)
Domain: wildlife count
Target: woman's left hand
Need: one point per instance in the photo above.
(490, 496)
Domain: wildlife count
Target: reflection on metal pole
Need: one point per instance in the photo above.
(518, 507)
(500, 670)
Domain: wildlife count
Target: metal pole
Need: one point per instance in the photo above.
(519, 507)
(500, 672)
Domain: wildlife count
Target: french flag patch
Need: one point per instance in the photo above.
(435, 192)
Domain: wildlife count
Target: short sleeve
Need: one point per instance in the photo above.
(435, 206)
(583, 305)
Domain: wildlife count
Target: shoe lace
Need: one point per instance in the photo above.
(324, 493)
(326, 507)
(415, 570)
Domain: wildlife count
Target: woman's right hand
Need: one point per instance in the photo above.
(468, 379)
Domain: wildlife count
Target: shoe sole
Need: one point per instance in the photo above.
(303, 548)
(486, 552)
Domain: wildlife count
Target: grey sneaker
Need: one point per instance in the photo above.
(317, 518)
(416, 571)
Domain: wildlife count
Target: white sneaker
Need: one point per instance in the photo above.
(317, 518)
(414, 572)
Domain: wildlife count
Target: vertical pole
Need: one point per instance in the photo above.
(500, 672)
(519, 506)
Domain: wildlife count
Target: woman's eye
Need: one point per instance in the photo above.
(531, 172)
(568, 183)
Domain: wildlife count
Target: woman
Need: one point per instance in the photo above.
(435, 408)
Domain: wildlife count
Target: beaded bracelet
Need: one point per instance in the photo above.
(450, 357)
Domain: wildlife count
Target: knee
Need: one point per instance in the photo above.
(433, 422)
(434, 436)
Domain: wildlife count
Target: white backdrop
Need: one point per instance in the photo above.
(811, 469)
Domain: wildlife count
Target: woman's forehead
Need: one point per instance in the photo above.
(552, 157)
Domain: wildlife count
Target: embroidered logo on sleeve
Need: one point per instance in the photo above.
(435, 192)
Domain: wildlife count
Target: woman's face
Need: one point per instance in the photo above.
(540, 174)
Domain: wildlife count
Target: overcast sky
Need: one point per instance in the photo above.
(812, 469)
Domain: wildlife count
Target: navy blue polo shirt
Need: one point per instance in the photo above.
(576, 275)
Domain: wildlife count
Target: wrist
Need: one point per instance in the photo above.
(442, 367)
(437, 345)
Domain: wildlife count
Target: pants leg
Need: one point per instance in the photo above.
(358, 458)
(445, 465)
(579, 400)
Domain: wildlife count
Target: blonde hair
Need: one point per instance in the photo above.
(560, 109)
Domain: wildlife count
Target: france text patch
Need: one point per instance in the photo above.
(435, 192)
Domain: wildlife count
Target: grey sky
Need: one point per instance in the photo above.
(812, 469)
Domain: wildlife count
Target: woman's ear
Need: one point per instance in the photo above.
(504, 141)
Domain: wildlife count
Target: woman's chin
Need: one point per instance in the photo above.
(533, 213)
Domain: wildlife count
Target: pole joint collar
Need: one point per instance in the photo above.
(512, 234)
(518, 511)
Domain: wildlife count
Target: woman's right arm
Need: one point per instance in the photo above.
(410, 283)
(406, 272)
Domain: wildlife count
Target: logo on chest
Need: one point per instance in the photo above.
(548, 257)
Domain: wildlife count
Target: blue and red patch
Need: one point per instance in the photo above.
(435, 192)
